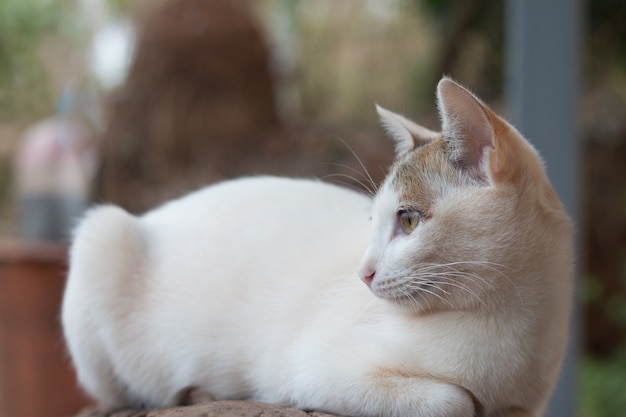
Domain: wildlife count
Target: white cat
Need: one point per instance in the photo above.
(249, 290)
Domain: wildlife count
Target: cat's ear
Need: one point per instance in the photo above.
(466, 127)
(405, 133)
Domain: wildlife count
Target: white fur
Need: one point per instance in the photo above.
(243, 301)
(405, 133)
(248, 290)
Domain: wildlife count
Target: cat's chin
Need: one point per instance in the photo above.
(414, 301)
(405, 302)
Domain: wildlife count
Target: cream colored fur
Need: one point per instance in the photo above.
(249, 289)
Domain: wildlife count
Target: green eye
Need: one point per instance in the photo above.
(408, 220)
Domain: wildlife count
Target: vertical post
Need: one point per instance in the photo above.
(542, 85)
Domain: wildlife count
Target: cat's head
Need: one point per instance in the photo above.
(465, 218)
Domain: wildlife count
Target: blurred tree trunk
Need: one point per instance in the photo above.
(198, 92)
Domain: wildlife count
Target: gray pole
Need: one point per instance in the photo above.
(542, 86)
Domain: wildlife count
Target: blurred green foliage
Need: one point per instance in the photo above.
(24, 89)
(606, 30)
(613, 304)
(342, 57)
(602, 386)
(471, 33)
(604, 36)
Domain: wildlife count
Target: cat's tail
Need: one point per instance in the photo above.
(107, 257)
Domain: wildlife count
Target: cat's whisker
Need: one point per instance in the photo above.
(455, 275)
(505, 276)
(415, 306)
(413, 303)
(371, 188)
(472, 262)
(406, 294)
(449, 265)
(499, 265)
(452, 276)
(491, 266)
(361, 183)
(417, 288)
(464, 288)
(371, 181)
(436, 279)
(431, 284)
(438, 285)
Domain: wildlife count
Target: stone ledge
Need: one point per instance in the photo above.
(211, 409)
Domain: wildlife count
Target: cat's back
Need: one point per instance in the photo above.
(276, 213)
(263, 196)
(258, 235)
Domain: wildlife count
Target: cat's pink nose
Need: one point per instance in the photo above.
(367, 274)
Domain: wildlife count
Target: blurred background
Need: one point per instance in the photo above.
(136, 102)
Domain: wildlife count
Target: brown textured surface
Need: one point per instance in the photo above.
(36, 379)
(198, 91)
(198, 107)
(212, 409)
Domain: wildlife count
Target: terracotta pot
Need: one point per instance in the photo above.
(36, 377)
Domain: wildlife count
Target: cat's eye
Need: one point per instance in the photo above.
(409, 219)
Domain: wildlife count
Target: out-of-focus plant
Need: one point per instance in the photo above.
(24, 88)
(606, 29)
(462, 22)
(340, 57)
(602, 383)
(471, 42)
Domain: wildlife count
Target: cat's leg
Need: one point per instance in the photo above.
(99, 380)
(399, 396)
(193, 395)
(93, 365)
(420, 397)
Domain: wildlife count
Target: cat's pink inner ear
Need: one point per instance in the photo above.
(465, 124)
(405, 133)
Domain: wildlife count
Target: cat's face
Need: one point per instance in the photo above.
(433, 234)
(459, 213)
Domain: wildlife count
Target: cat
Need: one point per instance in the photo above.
(250, 289)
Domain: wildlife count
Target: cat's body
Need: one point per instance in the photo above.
(248, 289)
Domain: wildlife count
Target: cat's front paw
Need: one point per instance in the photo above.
(192, 396)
